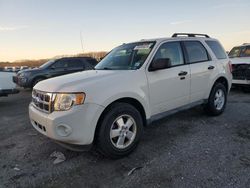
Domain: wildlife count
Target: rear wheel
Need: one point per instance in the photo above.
(217, 100)
(120, 130)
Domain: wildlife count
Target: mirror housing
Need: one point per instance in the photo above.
(52, 67)
(159, 64)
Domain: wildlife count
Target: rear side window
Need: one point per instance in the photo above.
(196, 52)
(217, 49)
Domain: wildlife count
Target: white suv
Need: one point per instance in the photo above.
(134, 84)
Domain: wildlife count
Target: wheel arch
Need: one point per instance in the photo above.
(223, 81)
(129, 100)
(220, 79)
(37, 77)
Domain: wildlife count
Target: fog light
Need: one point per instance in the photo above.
(63, 130)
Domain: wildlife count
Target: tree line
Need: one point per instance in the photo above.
(39, 62)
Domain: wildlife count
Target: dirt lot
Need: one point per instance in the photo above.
(188, 149)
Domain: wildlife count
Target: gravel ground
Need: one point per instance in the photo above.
(188, 149)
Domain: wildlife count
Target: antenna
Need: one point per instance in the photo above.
(81, 41)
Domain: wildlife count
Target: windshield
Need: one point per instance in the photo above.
(47, 64)
(243, 51)
(126, 57)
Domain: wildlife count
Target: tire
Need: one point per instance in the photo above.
(217, 100)
(122, 142)
(36, 80)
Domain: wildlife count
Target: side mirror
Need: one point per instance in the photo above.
(52, 67)
(158, 64)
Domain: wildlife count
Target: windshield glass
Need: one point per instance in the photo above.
(126, 57)
(243, 51)
(47, 64)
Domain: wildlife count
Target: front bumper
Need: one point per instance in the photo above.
(241, 82)
(241, 74)
(21, 81)
(6, 92)
(75, 126)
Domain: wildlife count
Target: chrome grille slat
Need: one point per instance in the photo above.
(42, 100)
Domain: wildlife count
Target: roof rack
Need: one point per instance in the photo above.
(190, 35)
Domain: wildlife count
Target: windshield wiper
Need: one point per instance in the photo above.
(106, 68)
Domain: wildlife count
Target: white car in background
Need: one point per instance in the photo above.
(8, 69)
(135, 84)
(240, 58)
(6, 85)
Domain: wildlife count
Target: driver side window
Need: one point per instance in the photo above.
(171, 51)
(60, 64)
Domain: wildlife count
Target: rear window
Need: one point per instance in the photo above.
(217, 49)
(196, 52)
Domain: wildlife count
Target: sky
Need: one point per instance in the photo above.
(35, 29)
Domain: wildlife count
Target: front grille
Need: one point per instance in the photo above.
(42, 128)
(42, 100)
(241, 72)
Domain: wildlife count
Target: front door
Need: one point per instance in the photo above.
(169, 88)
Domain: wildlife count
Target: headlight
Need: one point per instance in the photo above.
(64, 101)
(25, 74)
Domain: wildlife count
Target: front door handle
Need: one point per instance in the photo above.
(211, 67)
(183, 73)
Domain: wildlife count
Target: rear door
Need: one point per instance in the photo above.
(76, 65)
(169, 88)
(201, 66)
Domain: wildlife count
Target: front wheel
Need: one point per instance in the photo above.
(217, 100)
(120, 130)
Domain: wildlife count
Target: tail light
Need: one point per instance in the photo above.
(230, 66)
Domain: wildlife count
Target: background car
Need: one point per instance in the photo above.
(8, 69)
(240, 58)
(6, 85)
(53, 68)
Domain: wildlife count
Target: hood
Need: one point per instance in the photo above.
(240, 60)
(80, 81)
(28, 70)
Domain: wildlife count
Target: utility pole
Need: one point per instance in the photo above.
(81, 41)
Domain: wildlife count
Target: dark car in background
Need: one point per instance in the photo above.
(53, 68)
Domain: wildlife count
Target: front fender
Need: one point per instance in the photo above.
(141, 98)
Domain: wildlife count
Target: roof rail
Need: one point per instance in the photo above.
(190, 35)
(246, 44)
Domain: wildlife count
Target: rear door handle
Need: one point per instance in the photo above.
(211, 67)
(183, 73)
